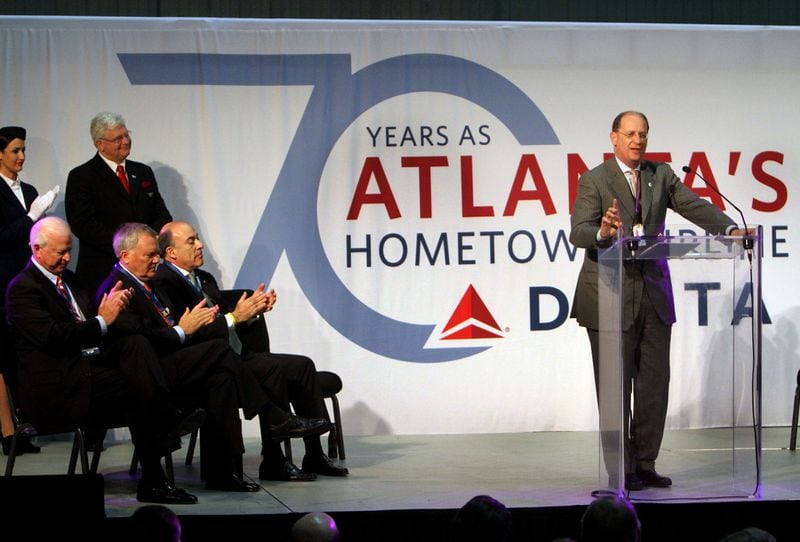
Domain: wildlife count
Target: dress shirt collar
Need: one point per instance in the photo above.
(625, 169)
(76, 309)
(628, 177)
(113, 165)
(50, 276)
(16, 187)
(176, 268)
(13, 183)
(131, 275)
(190, 276)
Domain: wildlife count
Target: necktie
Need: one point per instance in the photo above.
(635, 183)
(195, 282)
(637, 196)
(159, 306)
(62, 289)
(123, 178)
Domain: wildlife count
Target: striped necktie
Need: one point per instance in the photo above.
(62, 289)
(198, 285)
(195, 280)
(158, 305)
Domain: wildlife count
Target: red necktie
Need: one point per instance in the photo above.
(123, 178)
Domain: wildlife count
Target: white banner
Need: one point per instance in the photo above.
(406, 187)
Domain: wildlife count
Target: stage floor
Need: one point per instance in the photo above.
(522, 470)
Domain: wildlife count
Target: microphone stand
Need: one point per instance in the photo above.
(747, 240)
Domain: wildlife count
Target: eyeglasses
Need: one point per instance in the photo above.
(119, 139)
(630, 135)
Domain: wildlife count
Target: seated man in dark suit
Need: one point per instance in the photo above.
(186, 284)
(181, 337)
(74, 371)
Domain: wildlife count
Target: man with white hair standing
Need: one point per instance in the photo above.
(106, 192)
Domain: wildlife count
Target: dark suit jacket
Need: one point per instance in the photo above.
(15, 229)
(183, 294)
(661, 190)
(54, 378)
(143, 318)
(96, 204)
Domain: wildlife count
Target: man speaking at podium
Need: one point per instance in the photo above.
(631, 194)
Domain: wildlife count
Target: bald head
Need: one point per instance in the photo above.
(180, 245)
(314, 527)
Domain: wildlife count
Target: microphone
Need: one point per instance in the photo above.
(747, 241)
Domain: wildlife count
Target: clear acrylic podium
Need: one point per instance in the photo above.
(716, 284)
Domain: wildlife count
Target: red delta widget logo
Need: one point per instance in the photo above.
(471, 320)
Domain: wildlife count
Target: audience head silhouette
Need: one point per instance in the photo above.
(610, 519)
(482, 518)
(750, 534)
(314, 527)
(155, 523)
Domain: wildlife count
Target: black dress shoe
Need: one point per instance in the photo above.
(322, 464)
(163, 493)
(295, 427)
(233, 483)
(650, 478)
(24, 445)
(633, 482)
(288, 472)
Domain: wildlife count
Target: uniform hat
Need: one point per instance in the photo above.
(9, 134)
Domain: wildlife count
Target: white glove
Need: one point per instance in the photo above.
(42, 203)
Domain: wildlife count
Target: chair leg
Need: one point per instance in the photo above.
(78, 452)
(333, 437)
(337, 420)
(333, 443)
(190, 448)
(73, 455)
(795, 412)
(98, 449)
(170, 470)
(12, 453)
(287, 449)
(134, 463)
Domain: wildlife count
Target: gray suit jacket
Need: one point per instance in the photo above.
(661, 190)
